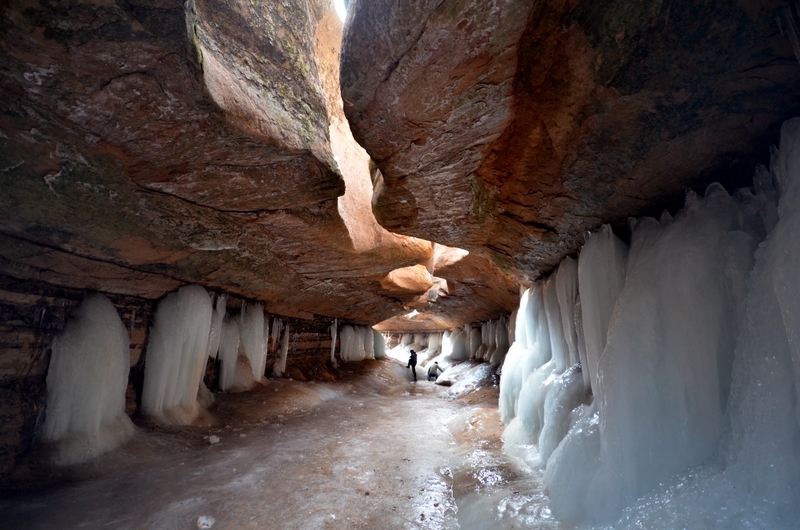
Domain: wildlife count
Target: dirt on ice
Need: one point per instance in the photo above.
(371, 450)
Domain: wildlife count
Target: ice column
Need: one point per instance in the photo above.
(236, 374)
(501, 341)
(176, 355)
(251, 327)
(567, 291)
(86, 383)
(216, 326)
(379, 346)
(601, 273)
(277, 326)
(369, 342)
(334, 333)
(280, 363)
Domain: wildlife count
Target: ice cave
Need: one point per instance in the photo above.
(393, 264)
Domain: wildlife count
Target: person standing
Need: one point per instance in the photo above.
(412, 363)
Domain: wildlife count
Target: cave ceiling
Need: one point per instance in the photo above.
(511, 128)
(148, 144)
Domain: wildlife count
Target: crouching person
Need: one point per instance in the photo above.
(433, 371)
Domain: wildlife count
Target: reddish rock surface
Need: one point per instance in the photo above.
(149, 144)
(510, 128)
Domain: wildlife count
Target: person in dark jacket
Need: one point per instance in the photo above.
(412, 363)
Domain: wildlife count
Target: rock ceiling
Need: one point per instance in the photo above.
(150, 143)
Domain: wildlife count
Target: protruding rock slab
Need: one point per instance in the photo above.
(510, 128)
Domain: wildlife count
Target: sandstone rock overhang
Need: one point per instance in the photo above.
(149, 144)
(510, 128)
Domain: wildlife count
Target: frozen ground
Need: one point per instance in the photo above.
(370, 451)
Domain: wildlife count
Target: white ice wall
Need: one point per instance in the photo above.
(692, 355)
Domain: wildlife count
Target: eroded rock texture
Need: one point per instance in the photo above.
(150, 144)
(510, 128)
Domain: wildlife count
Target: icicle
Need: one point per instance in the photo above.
(279, 367)
(334, 333)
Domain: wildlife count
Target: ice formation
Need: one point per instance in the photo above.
(176, 355)
(379, 346)
(279, 367)
(251, 329)
(86, 383)
(601, 273)
(334, 333)
(348, 350)
(235, 372)
(216, 326)
(683, 411)
(277, 326)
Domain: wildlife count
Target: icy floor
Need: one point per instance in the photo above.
(374, 451)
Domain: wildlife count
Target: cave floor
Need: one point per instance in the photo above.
(372, 450)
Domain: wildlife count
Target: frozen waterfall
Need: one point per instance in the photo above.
(659, 382)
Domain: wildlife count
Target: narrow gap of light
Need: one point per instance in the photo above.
(340, 9)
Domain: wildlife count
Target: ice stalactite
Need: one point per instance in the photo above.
(236, 374)
(251, 328)
(511, 324)
(474, 341)
(216, 326)
(379, 346)
(369, 342)
(353, 341)
(86, 383)
(434, 345)
(458, 348)
(176, 355)
(529, 353)
(277, 326)
(601, 275)
(567, 293)
(279, 368)
(334, 334)
(501, 342)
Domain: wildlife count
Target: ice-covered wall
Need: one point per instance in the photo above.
(86, 383)
(667, 392)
